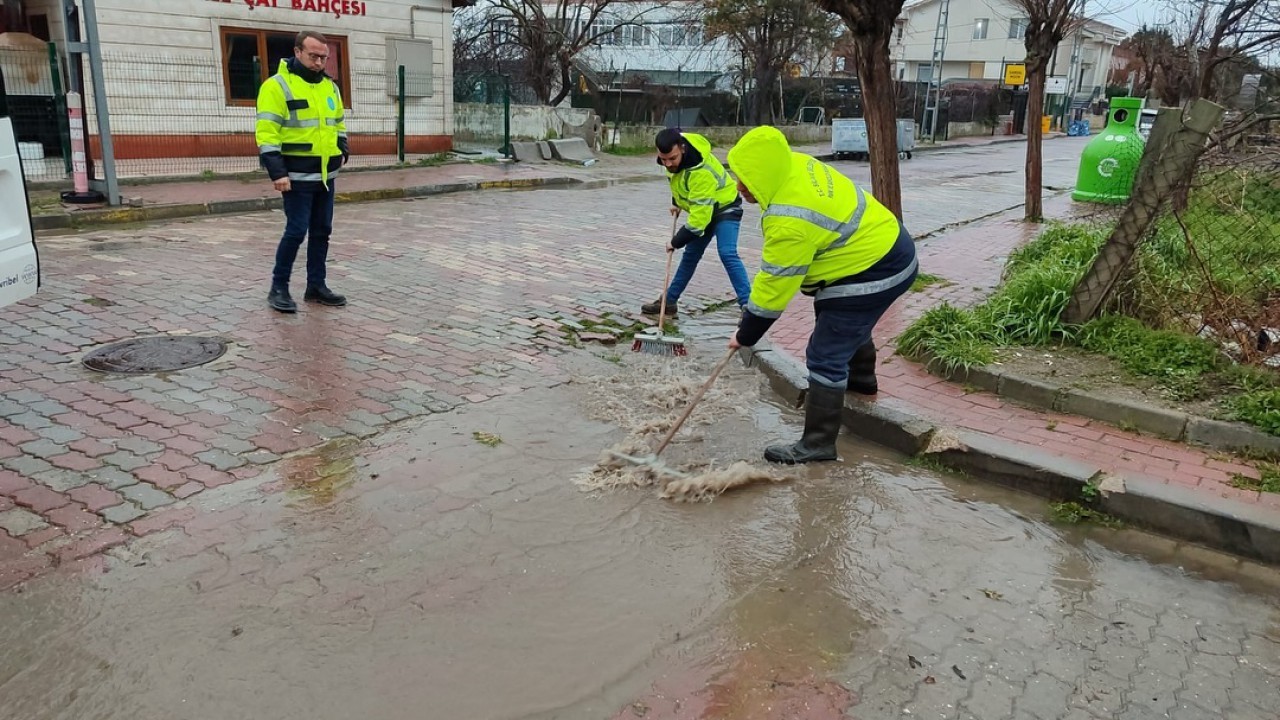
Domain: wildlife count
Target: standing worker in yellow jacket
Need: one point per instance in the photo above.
(701, 187)
(302, 143)
(828, 238)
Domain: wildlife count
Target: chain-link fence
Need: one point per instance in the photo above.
(1210, 263)
(1196, 246)
(185, 116)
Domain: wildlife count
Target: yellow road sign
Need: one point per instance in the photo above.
(1015, 74)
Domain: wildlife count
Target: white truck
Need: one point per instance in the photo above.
(19, 261)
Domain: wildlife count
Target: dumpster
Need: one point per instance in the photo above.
(1110, 161)
(849, 138)
(906, 138)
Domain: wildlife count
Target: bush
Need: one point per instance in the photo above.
(1261, 409)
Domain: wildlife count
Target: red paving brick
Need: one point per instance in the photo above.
(95, 497)
(40, 499)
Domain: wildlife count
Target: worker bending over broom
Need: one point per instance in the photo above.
(832, 240)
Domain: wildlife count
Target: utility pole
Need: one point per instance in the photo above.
(93, 49)
(1073, 82)
(933, 98)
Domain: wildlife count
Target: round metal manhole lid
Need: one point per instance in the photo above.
(154, 354)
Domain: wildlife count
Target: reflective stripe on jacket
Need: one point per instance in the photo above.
(303, 122)
(819, 228)
(703, 189)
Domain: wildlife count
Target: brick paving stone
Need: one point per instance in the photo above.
(40, 499)
(139, 446)
(62, 481)
(148, 496)
(220, 459)
(11, 482)
(31, 421)
(74, 518)
(93, 544)
(38, 538)
(75, 461)
(123, 513)
(161, 521)
(126, 461)
(183, 492)
(92, 447)
(43, 449)
(113, 478)
(60, 434)
(95, 497)
(173, 461)
(18, 522)
(15, 435)
(160, 476)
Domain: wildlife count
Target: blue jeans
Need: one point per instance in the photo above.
(844, 324)
(308, 209)
(726, 234)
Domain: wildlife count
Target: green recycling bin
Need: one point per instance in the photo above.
(1110, 161)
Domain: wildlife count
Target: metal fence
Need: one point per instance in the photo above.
(182, 116)
(1210, 263)
(1196, 248)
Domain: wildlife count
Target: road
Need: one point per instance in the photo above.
(372, 511)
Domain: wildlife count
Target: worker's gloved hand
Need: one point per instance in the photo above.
(682, 238)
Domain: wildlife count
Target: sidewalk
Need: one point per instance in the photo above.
(1174, 487)
(196, 198)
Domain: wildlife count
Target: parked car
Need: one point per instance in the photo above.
(19, 260)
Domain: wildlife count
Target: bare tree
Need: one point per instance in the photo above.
(769, 34)
(1048, 23)
(547, 38)
(871, 24)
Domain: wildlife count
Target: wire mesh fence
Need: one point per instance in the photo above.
(1210, 261)
(185, 116)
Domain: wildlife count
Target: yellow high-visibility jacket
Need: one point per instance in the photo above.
(704, 190)
(301, 129)
(818, 226)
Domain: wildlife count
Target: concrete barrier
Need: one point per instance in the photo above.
(571, 150)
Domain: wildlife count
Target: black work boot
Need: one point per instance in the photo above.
(862, 370)
(655, 307)
(324, 296)
(822, 416)
(279, 299)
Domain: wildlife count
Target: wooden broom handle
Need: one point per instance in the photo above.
(715, 372)
(662, 312)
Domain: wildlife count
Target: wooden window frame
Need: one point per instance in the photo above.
(335, 41)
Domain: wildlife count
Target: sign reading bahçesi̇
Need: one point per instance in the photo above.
(337, 7)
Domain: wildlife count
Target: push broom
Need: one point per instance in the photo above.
(656, 342)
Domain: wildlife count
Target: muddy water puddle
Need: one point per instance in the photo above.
(454, 569)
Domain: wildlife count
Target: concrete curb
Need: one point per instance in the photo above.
(1144, 417)
(1145, 502)
(116, 216)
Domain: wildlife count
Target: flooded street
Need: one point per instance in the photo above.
(452, 568)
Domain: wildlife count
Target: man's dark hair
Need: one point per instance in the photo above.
(299, 41)
(667, 139)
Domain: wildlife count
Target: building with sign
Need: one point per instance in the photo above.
(182, 76)
(985, 38)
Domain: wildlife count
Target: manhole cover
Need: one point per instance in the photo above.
(154, 354)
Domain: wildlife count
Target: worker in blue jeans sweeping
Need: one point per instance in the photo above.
(702, 188)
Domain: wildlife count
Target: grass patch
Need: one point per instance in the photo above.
(1040, 277)
(1269, 480)
(924, 280)
(1073, 513)
(629, 150)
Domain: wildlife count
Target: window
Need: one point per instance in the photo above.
(980, 28)
(924, 73)
(249, 57)
(1018, 28)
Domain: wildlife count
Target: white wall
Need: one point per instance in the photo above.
(178, 37)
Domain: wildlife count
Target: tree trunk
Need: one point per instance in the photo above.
(1035, 139)
(880, 110)
(565, 81)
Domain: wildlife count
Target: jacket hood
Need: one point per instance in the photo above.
(697, 142)
(762, 161)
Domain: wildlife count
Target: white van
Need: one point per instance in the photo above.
(19, 262)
